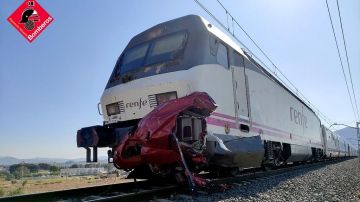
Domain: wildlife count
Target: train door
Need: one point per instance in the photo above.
(241, 99)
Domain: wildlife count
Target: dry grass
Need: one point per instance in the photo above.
(14, 192)
(8, 188)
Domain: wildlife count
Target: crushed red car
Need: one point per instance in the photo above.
(170, 139)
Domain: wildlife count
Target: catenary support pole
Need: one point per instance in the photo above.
(358, 137)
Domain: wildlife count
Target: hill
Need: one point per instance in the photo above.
(349, 134)
(9, 160)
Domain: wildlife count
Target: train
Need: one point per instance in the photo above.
(335, 146)
(184, 98)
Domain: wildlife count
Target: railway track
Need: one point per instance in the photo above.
(147, 190)
(130, 191)
(256, 174)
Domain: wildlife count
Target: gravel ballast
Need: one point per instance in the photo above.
(334, 182)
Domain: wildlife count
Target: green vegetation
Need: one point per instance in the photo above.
(16, 191)
(2, 192)
(358, 194)
(18, 171)
(44, 166)
(74, 166)
(33, 168)
(54, 170)
(7, 176)
(22, 170)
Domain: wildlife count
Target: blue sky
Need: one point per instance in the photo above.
(49, 88)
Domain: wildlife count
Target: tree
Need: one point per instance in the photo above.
(44, 166)
(9, 177)
(74, 166)
(13, 168)
(54, 169)
(31, 167)
(89, 165)
(21, 171)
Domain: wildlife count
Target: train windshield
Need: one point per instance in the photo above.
(135, 62)
(166, 48)
(134, 57)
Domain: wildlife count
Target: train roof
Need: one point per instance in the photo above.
(233, 44)
(217, 32)
(189, 22)
(198, 23)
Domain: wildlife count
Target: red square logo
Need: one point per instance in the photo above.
(30, 19)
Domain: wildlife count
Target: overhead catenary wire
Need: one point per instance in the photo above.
(296, 91)
(347, 59)
(341, 62)
(276, 69)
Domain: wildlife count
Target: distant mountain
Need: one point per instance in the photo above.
(9, 160)
(349, 134)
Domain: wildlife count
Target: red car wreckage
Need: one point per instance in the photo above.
(156, 142)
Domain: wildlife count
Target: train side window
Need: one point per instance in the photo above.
(222, 55)
(213, 45)
(238, 60)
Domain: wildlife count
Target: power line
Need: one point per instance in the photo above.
(227, 12)
(296, 91)
(347, 59)
(341, 62)
(275, 67)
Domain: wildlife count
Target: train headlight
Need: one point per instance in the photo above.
(112, 109)
(163, 97)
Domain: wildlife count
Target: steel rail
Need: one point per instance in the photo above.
(138, 191)
(252, 175)
(143, 195)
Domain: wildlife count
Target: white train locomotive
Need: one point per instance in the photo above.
(155, 116)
